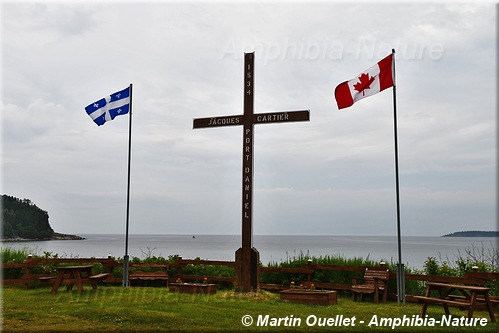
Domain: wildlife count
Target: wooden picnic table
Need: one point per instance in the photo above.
(471, 297)
(79, 275)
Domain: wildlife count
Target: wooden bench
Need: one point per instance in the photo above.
(375, 281)
(98, 277)
(492, 299)
(161, 274)
(47, 280)
(425, 299)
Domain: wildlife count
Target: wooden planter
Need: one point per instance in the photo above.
(315, 297)
(193, 288)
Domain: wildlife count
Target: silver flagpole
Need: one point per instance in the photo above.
(126, 258)
(400, 265)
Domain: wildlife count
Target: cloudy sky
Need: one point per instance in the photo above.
(333, 175)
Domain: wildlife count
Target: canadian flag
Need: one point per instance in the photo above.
(370, 82)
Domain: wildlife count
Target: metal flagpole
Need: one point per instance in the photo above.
(400, 265)
(126, 258)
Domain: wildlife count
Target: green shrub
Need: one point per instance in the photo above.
(12, 256)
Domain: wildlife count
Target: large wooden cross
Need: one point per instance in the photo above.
(247, 257)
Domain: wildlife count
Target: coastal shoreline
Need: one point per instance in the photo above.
(56, 236)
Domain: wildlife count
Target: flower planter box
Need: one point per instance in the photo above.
(315, 297)
(193, 288)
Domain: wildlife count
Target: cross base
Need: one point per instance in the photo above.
(247, 268)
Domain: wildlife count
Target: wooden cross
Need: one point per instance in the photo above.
(247, 257)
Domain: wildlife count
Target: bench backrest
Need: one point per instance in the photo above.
(150, 266)
(155, 273)
(371, 274)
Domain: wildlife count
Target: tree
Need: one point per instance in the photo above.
(22, 218)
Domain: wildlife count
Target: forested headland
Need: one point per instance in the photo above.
(23, 220)
(473, 233)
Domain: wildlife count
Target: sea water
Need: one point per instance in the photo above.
(415, 250)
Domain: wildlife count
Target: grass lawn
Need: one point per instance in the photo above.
(154, 309)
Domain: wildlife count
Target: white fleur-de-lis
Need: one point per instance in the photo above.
(118, 95)
(119, 111)
(96, 105)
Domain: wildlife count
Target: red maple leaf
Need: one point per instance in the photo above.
(364, 83)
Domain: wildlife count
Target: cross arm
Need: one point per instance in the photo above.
(281, 117)
(218, 121)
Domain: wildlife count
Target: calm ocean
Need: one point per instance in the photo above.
(415, 250)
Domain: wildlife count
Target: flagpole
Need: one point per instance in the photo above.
(400, 265)
(126, 258)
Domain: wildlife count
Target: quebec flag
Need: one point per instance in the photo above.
(109, 107)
